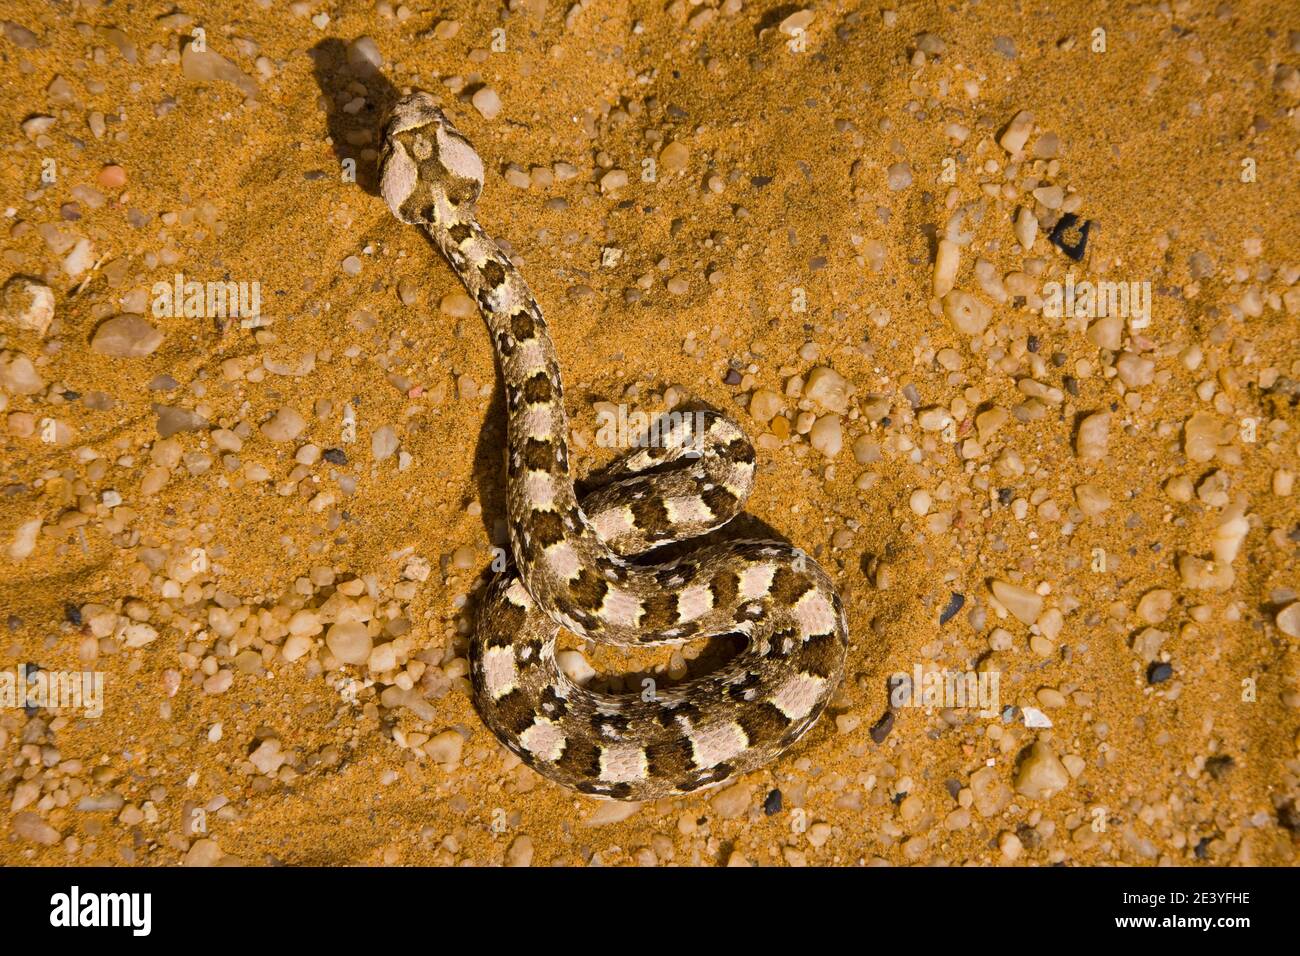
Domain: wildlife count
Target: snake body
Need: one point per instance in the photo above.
(581, 562)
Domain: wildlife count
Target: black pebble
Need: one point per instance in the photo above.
(1004, 496)
(732, 377)
(335, 456)
(882, 728)
(1159, 673)
(1219, 765)
(955, 604)
(72, 614)
(1067, 225)
(773, 803)
(31, 710)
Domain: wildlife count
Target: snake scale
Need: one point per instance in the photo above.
(586, 563)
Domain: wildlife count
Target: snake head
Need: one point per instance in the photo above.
(428, 171)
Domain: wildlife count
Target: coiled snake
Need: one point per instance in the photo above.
(580, 563)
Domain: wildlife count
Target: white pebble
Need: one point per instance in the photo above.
(27, 304)
(829, 389)
(899, 176)
(24, 540)
(1041, 774)
(1017, 132)
(1093, 437)
(945, 267)
(349, 642)
(1288, 619)
(826, 435)
(1025, 604)
(487, 102)
(383, 442)
(79, 259)
(126, 336)
(575, 666)
(967, 314)
(364, 57)
(285, 425)
(1026, 228)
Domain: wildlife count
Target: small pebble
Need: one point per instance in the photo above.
(285, 425)
(826, 436)
(364, 57)
(1288, 620)
(1041, 774)
(520, 851)
(613, 180)
(881, 728)
(487, 102)
(1025, 604)
(27, 304)
(29, 826)
(955, 604)
(899, 176)
(1093, 437)
(126, 336)
(384, 442)
(1017, 132)
(829, 389)
(112, 177)
(968, 314)
(674, 157)
(349, 642)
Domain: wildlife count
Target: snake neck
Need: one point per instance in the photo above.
(541, 501)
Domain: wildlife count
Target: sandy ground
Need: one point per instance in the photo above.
(709, 201)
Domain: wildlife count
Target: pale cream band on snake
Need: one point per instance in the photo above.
(581, 563)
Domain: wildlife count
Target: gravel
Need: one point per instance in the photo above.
(968, 314)
(208, 66)
(126, 336)
(487, 102)
(349, 642)
(27, 304)
(1041, 774)
(384, 442)
(285, 425)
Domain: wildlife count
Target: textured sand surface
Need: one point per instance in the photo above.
(709, 202)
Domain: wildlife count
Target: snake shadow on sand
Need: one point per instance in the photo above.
(333, 75)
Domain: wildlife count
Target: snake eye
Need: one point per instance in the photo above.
(462, 192)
